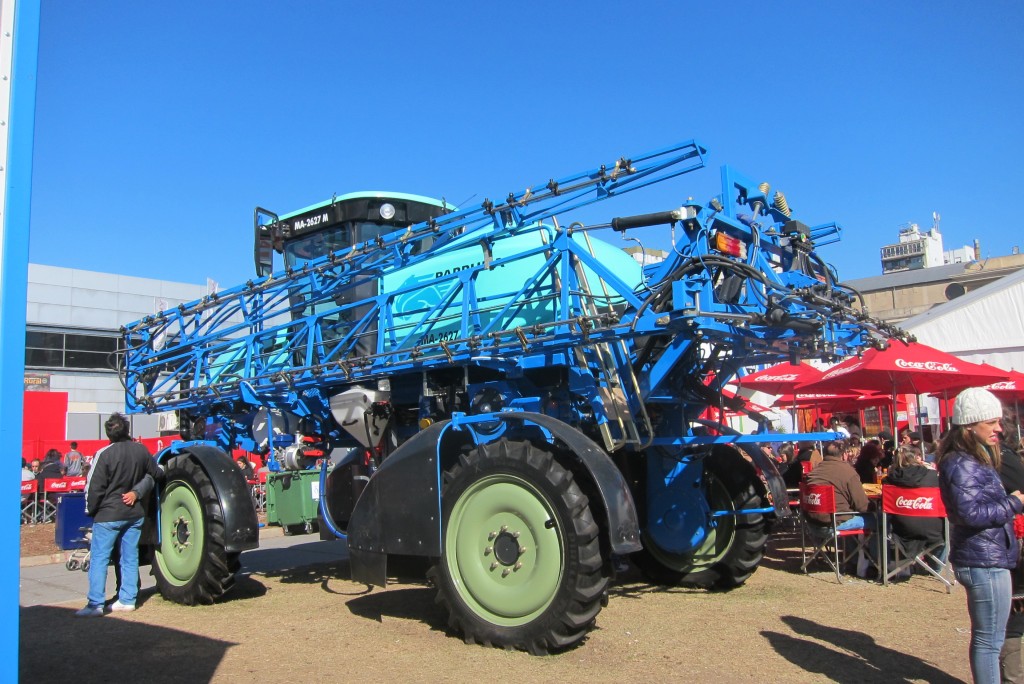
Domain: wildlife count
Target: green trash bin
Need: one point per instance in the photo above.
(293, 499)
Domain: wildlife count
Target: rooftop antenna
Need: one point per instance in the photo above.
(936, 217)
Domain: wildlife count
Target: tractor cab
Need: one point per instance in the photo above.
(336, 224)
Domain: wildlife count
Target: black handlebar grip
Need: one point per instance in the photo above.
(641, 220)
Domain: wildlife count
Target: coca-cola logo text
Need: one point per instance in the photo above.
(836, 372)
(920, 503)
(813, 499)
(941, 366)
(777, 378)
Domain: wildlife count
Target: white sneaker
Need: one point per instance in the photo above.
(118, 607)
(90, 611)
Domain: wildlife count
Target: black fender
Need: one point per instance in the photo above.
(241, 526)
(772, 479)
(399, 511)
(623, 522)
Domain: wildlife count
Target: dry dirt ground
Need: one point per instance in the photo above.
(312, 624)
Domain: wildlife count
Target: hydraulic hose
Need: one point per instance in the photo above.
(324, 513)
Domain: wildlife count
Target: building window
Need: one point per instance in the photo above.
(55, 350)
(954, 290)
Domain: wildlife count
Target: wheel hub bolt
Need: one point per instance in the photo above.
(181, 533)
(506, 549)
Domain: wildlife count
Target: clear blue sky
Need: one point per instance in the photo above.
(160, 126)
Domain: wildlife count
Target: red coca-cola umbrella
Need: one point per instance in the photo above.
(1012, 388)
(904, 368)
(781, 378)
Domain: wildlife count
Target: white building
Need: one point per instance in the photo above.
(646, 256)
(73, 323)
(914, 250)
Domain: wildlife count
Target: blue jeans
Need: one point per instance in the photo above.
(988, 603)
(858, 522)
(864, 521)
(104, 536)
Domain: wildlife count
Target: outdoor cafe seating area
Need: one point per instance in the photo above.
(894, 557)
(885, 390)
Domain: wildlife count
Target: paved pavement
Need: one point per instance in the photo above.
(46, 581)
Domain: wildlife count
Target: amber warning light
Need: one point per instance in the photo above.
(730, 245)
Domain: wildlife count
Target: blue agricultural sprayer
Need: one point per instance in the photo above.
(495, 392)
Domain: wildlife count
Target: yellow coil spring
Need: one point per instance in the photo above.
(779, 201)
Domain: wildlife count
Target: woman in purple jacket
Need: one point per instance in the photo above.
(984, 548)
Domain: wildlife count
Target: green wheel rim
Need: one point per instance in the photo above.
(182, 536)
(718, 541)
(504, 550)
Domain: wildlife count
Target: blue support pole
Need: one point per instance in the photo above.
(14, 232)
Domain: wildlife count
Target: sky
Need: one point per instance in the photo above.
(161, 126)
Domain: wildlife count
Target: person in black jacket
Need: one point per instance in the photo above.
(916, 533)
(122, 473)
(51, 469)
(1011, 472)
(793, 475)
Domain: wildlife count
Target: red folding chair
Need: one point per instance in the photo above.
(29, 502)
(824, 537)
(916, 502)
(794, 494)
(52, 488)
(75, 484)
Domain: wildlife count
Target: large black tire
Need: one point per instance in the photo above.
(190, 563)
(521, 564)
(733, 548)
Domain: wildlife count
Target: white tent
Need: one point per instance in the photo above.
(986, 324)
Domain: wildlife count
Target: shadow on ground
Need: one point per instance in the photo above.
(849, 657)
(401, 602)
(55, 644)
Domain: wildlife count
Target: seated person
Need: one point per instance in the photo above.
(849, 493)
(835, 425)
(794, 473)
(50, 470)
(850, 496)
(910, 471)
(868, 461)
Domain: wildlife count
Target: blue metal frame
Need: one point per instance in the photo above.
(293, 339)
(14, 282)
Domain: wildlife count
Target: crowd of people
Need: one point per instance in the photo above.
(979, 471)
(54, 465)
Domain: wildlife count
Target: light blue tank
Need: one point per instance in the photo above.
(422, 288)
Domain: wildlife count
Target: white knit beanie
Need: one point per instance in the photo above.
(975, 405)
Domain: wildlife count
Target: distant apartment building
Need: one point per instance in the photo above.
(917, 249)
